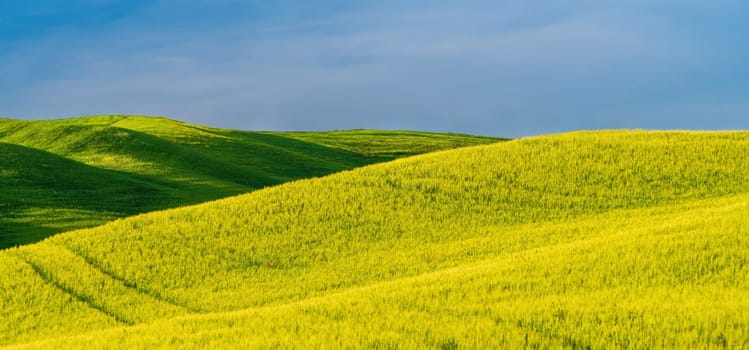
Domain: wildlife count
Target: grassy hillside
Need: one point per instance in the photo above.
(388, 143)
(595, 239)
(59, 175)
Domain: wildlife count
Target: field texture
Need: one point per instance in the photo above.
(611, 239)
(59, 175)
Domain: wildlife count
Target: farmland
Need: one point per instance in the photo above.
(60, 175)
(624, 239)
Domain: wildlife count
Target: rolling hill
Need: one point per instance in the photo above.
(59, 175)
(608, 239)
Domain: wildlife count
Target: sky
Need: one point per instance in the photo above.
(490, 67)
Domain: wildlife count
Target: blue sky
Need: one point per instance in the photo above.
(503, 67)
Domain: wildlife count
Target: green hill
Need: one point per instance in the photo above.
(58, 175)
(583, 240)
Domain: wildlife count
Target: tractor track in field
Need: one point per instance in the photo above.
(49, 278)
(127, 283)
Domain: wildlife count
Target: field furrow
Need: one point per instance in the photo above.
(139, 288)
(45, 275)
(71, 273)
(25, 289)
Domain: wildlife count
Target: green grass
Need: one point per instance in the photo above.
(389, 143)
(583, 240)
(59, 175)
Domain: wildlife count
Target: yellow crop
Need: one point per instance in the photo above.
(605, 239)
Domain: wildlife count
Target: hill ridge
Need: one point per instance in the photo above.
(151, 163)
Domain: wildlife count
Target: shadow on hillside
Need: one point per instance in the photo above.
(39, 183)
(182, 166)
(201, 168)
(15, 233)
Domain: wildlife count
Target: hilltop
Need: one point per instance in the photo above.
(586, 240)
(59, 175)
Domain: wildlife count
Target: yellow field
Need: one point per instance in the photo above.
(607, 239)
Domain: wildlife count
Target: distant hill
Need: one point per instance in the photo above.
(59, 175)
(608, 239)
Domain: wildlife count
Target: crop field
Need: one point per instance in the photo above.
(587, 240)
(60, 175)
